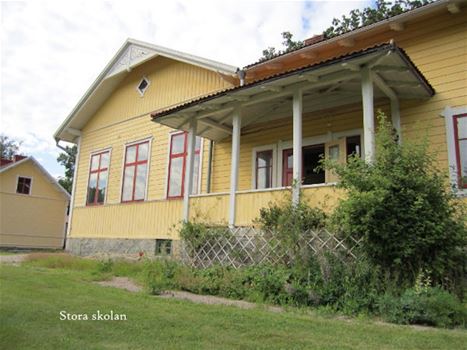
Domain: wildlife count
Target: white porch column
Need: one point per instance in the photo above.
(368, 114)
(396, 116)
(297, 145)
(237, 126)
(189, 169)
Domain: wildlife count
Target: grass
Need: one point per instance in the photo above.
(33, 296)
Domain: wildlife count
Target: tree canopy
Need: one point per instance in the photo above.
(68, 159)
(9, 147)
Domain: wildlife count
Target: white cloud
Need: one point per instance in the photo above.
(52, 51)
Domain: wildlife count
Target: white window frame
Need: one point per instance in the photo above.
(30, 186)
(270, 147)
(315, 140)
(448, 113)
(167, 171)
(102, 150)
(141, 93)
(122, 175)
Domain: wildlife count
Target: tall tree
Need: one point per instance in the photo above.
(289, 44)
(9, 147)
(383, 9)
(68, 159)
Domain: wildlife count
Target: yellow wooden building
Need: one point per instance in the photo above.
(166, 136)
(33, 206)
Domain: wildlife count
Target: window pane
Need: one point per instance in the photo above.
(198, 143)
(175, 180)
(462, 127)
(143, 151)
(353, 145)
(311, 159)
(264, 159)
(334, 153)
(102, 186)
(264, 178)
(140, 182)
(128, 183)
(178, 144)
(92, 188)
(130, 154)
(463, 161)
(290, 161)
(95, 162)
(104, 160)
(194, 188)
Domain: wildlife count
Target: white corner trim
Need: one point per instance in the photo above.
(270, 147)
(448, 113)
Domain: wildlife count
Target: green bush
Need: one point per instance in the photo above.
(288, 224)
(401, 207)
(431, 306)
(159, 275)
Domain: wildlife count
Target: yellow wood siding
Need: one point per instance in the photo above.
(437, 45)
(31, 221)
(133, 220)
(125, 118)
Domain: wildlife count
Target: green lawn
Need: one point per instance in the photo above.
(32, 298)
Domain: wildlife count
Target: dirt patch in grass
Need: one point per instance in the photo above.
(121, 283)
(213, 300)
(14, 259)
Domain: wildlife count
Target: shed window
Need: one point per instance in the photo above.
(177, 163)
(135, 172)
(264, 169)
(460, 135)
(24, 185)
(98, 173)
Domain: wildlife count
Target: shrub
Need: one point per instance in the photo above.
(159, 275)
(196, 234)
(402, 209)
(432, 306)
(288, 224)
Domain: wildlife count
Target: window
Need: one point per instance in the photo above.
(163, 247)
(311, 157)
(460, 138)
(98, 173)
(143, 86)
(264, 169)
(135, 172)
(177, 163)
(24, 185)
(353, 146)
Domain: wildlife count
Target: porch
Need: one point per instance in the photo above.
(289, 101)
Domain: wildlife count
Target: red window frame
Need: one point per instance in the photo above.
(287, 173)
(99, 170)
(457, 140)
(22, 185)
(136, 163)
(269, 151)
(179, 155)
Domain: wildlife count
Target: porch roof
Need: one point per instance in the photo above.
(330, 83)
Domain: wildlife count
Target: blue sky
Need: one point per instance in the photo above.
(51, 51)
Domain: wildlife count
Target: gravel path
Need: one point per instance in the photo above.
(122, 283)
(213, 300)
(127, 284)
(14, 259)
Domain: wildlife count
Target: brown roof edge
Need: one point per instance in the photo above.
(380, 47)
